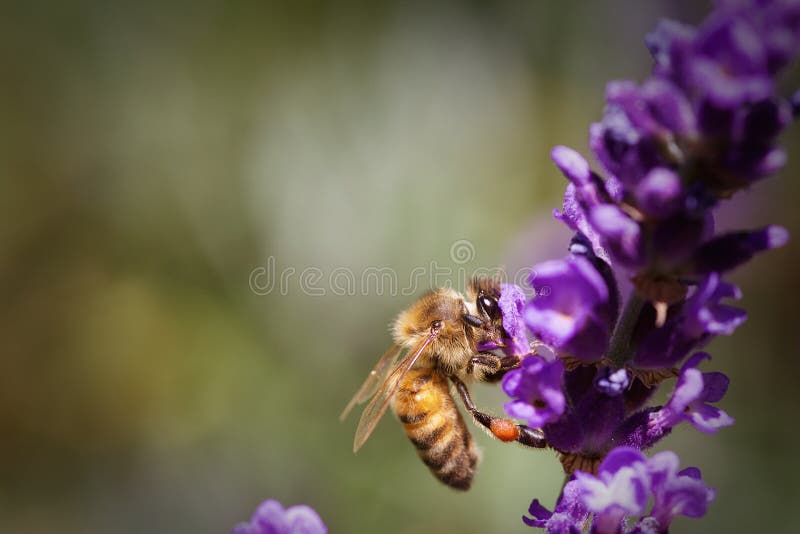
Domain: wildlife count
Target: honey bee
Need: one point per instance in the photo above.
(442, 334)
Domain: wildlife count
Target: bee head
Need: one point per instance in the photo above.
(441, 309)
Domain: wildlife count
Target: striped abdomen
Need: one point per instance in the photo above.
(435, 427)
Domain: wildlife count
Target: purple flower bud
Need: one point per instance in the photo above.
(675, 240)
(733, 41)
(626, 95)
(669, 105)
(536, 388)
(761, 122)
(668, 44)
(585, 191)
(620, 235)
(572, 164)
(724, 91)
(730, 250)
(611, 382)
(573, 215)
(271, 518)
(660, 193)
(625, 151)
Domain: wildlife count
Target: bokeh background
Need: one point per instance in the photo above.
(156, 155)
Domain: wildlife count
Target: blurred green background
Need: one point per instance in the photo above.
(154, 156)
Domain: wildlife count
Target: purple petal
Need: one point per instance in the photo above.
(687, 390)
(572, 308)
(552, 326)
(540, 515)
(521, 410)
(535, 389)
(681, 495)
(626, 490)
(661, 467)
(591, 280)
(511, 302)
(270, 518)
(647, 525)
(692, 472)
(303, 519)
(715, 385)
(704, 314)
(511, 382)
(709, 419)
(554, 399)
(676, 492)
(619, 458)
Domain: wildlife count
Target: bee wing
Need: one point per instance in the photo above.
(373, 380)
(377, 406)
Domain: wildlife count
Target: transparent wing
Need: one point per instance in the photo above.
(377, 406)
(374, 379)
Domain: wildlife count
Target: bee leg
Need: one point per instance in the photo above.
(491, 367)
(502, 429)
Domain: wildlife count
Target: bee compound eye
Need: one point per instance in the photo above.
(488, 305)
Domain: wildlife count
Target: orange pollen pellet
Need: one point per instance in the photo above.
(504, 430)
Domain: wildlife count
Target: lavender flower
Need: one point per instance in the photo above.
(568, 516)
(702, 127)
(571, 309)
(690, 325)
(689, 401)
(619, 495)
(271, 518)
(536, 386)
(620, 489)
(676, 492)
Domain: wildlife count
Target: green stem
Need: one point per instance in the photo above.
(619, 350)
